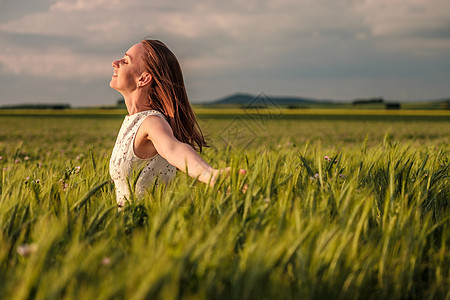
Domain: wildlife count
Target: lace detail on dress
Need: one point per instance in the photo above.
(125, 165)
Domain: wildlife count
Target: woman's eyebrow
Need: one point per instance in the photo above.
(126, 54)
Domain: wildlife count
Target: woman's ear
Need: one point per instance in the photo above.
(145, 79)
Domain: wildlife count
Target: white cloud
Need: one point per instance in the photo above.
(59, 63)
(262, 19)
(83, 5)
(89, 27)
(416, 26)
(214, 38)
(400, 17)
(104, 21)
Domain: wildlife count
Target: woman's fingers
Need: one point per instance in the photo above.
(244, 188)
(226, 171)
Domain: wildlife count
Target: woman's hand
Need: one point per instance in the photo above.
(216, 173)
(226, 173)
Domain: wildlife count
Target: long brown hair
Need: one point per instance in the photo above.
(168, 93)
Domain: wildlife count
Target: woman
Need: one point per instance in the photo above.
(160, 132)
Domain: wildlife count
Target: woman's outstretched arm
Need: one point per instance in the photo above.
(179, 154)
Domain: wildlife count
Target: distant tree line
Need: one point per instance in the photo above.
(37, 106)
(393, 105)
(387, 105)
(368, 101)
(120, 103)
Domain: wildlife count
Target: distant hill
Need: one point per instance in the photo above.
(263, 100)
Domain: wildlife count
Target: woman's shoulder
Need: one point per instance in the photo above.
(154, 118)
(156, 127)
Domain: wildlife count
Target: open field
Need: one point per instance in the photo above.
(227, 112)
(338, 205)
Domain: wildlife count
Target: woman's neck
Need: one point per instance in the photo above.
(137, 102)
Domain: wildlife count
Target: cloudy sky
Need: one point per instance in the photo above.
(60, 51)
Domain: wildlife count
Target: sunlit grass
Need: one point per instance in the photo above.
(364, 219)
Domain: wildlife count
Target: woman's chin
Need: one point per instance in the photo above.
(112, 84)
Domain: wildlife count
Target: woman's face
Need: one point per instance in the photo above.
(127, 70)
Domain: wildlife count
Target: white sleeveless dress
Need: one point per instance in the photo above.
(125, 165)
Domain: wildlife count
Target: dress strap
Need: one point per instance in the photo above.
(154, 112)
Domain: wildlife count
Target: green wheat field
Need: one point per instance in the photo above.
(336, 206)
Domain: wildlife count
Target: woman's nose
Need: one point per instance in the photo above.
(115, 64)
